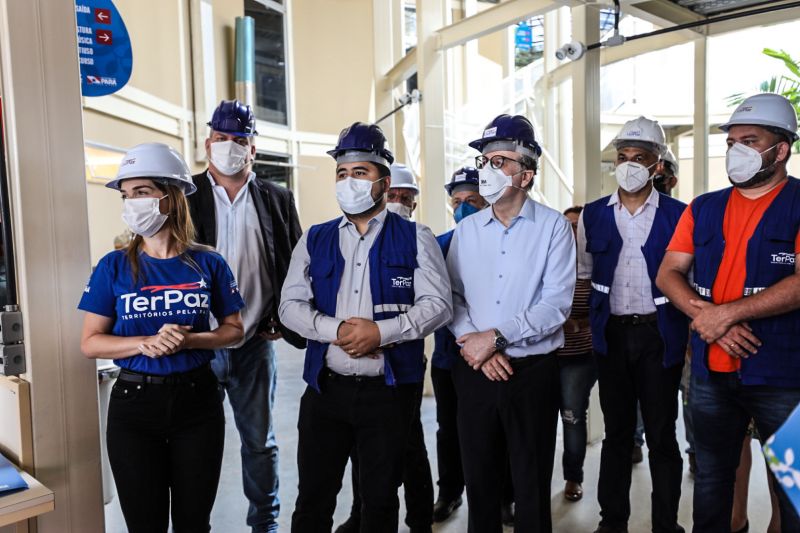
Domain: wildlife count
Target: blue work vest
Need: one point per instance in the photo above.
(392, 260)
(445, 349)
(604, 242)
(770, 258)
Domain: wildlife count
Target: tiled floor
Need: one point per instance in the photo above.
(230, 508)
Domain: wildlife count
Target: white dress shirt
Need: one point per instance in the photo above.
(518, 280)
(432, 302)
(631, 291)
(241, 243)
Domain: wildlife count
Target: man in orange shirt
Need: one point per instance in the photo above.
(742, 244)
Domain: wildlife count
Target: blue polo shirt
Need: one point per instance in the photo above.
(181, 290)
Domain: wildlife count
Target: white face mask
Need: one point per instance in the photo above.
(355, 195)
(492, 183)
(228, 157)
(399, 209)
(143, 216)
(743, 162)
(632, 177)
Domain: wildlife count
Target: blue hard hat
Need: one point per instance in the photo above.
(235, 118)
(462, 176)
(506, 132)
(362, 142)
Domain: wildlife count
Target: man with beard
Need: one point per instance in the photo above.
(741, 243)
(364, 289)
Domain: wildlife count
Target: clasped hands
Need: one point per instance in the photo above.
(478, 351)
(715, 324)
(359, 337)
(170, 339)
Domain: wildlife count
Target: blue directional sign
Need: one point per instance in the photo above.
(524, 37)
(104, 47)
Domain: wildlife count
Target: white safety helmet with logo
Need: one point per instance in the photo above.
(768, 110)
(403, 178)
(642, 132)
(157, 161)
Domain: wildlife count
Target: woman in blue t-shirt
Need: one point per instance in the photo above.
(149, 307)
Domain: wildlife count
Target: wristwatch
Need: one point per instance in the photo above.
(500, 342)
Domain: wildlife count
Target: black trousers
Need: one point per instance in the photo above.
(364, 414)
(514, 420)
(448, 453)
(633, 370)
(417, 479)
(165, 447)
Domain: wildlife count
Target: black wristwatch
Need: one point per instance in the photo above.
(500, 342)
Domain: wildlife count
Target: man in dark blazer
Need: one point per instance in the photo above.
(254, 225)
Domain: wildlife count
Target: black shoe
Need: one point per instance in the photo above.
(351, 525)
(610, 529)
(637, 456)
(507, 514)
(442, 509)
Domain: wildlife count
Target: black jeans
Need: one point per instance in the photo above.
(165, 448)
(448, 454)
(417, 480)
(578, 374)
(633, 370)
(514, 420)
(364, 414)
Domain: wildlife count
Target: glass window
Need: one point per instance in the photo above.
(270, 58)
(273, 168)
(8, 283)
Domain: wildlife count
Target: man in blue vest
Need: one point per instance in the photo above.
(364, 289)
(640, 338)
(741, 245)
(512, 268)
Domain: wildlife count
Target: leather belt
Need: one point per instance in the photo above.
(634, 320)
(171, 379)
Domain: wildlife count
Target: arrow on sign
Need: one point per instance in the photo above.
(104, 36)
(102, 16)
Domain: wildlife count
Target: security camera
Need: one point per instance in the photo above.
(573, 51)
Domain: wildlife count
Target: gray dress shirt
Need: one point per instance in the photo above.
(432, 301)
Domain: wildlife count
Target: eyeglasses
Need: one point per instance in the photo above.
(497, 161)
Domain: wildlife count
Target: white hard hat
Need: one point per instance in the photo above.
(641, 130)
(154, 160)
(669, 157)
(765, 109)
(403, 178)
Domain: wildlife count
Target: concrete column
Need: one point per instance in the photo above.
(700, 163)
(586, 107)
(431, 16)
(44, 135)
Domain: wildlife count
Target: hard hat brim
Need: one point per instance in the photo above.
(187, 186)
(728, 125)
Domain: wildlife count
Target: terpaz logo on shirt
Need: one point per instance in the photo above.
(782, 258)
(401, 282)
(166, 300)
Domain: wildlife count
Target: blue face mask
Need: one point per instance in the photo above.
(463, 211)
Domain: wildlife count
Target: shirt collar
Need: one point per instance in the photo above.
(379, 219)
(250, 178)
(653, 199)
(528, 211)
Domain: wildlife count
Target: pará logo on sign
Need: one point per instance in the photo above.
(402, 282)
(782, 258)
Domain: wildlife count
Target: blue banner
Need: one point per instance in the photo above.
(104, 47)
(780, 453)
(523, 37)
(9, 477)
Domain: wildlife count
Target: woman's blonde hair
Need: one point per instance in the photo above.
(180, 227)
